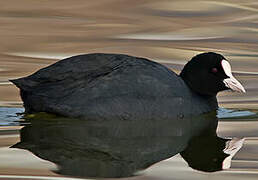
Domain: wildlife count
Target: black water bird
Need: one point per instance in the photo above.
(116, 86)
(133, 113)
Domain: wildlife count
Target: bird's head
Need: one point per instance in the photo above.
(209, 73)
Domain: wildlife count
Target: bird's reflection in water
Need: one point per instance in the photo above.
(120, 148)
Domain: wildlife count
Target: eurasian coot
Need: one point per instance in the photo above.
(117, 86)
(132, 113)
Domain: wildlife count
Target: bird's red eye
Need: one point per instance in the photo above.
(214, 70)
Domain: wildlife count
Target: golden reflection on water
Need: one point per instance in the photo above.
(35, 34)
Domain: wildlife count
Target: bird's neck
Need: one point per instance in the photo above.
(212, 101)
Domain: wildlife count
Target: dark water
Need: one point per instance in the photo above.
(35, 34)
(44, 145)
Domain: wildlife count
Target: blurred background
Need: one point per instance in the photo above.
(35, 34)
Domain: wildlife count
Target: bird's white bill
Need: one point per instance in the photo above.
(232, 147)
(231, 82)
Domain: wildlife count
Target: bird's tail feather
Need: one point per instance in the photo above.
(23, 83)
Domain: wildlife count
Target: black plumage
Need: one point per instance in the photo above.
(133, 113)
(109, 86)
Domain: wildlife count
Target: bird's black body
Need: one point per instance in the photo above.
(111, 86)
